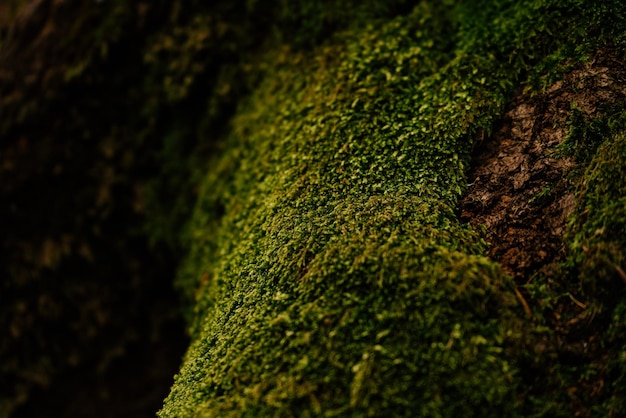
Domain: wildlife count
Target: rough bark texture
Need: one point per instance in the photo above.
(375, 208)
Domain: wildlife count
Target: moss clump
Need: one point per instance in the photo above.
(328, 273)
(598, 249)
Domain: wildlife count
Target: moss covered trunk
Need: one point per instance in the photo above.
(330, 273)
(383, 208)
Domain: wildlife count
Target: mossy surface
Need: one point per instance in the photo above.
(601, 240)
(108, 111)
(328, 273)
(597, 251)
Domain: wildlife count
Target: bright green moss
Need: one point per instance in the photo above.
(328, 274)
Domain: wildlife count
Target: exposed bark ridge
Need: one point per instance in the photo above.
(519, 187)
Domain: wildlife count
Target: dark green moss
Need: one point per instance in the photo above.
(328, 273)
(593, 272)
(598, 249)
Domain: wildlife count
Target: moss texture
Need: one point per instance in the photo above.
(328, 273)
(108, 110)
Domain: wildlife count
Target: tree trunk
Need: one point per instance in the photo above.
(375, 208)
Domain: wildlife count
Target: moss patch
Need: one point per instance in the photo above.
(327, 271)
(329, 274)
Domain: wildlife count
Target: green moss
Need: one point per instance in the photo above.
(328, 273)
(597, 245)
(588, 349)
